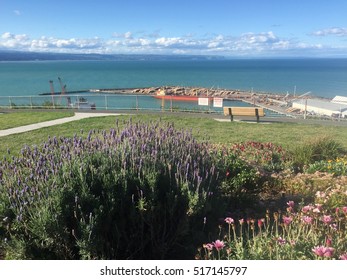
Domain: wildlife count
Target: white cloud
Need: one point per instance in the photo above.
(335, 31)
(263, 43)
(17, 12)
(6, 36)
(126, 35)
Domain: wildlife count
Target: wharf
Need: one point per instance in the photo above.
(68, 92)
(274, 108)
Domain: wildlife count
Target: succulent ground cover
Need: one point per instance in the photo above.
(151, 190)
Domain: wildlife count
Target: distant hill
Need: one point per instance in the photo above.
(37, 56)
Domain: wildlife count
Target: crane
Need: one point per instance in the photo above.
(52, 92)
(51, 86)
(63, 91)
(62, 87)
(302, 95)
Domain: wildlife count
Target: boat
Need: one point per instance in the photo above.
(81, 103)
(161, 94)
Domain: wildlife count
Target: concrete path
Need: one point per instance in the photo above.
(30, 127)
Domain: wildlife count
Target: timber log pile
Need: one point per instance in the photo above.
(192, 91)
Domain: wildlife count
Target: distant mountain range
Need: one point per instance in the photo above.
(37, 56)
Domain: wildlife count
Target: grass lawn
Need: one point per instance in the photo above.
(16, 119)
(286, 134)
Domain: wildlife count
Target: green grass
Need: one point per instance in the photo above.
(10, 120)
(289, 135)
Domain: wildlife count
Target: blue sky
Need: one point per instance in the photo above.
(242, 28)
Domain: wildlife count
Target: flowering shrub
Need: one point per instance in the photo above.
(249, 168)
(268, 156)
(336, 167)
(303, 232)
(124, 194)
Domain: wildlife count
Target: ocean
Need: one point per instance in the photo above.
(322, 77)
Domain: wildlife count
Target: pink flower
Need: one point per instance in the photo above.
(208, 246)
(318, 208)
(260, 222)
(343, 257)
(327, 219)
(344, 209)
(241, 221)
(219, 245)
(320, 194)
(322, 251)
(307, 208)
(229, 220)
(328, 241)
(333, 226)
(281, 241)
(291, 203)
(287, 220)
(307, 219)
(329, 252)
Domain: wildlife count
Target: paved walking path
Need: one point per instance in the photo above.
(30, 127)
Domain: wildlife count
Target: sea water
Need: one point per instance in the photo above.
(321, 77)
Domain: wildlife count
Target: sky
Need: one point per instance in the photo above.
(233, 28)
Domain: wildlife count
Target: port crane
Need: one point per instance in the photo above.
(63, 91)
(51, 87)
(81, 103)
(52, 91)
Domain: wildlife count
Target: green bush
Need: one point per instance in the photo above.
(322, 148)
(241, 183)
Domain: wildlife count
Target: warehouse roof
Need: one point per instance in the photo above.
(318, 103)
(340, 99)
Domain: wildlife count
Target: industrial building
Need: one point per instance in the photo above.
(339, 99)
(321, 107)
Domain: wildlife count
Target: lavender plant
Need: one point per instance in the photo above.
(140, 192)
